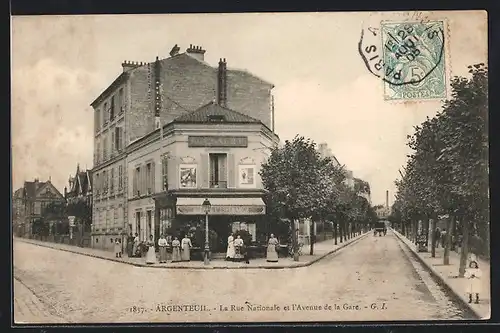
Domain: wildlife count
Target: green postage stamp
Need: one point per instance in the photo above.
(413, 60)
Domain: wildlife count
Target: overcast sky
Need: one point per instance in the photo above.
(323, 90)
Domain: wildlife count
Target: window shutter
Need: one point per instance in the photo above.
(223, 170)
(204, 171)
(113, 147)
(231, 168)
(152, 177)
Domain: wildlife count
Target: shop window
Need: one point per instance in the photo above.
(247, 226)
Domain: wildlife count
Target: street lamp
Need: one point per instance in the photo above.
(206, 207)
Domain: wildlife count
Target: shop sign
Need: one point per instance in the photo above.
(218, 141)
(222, 210)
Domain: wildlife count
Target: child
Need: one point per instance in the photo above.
(473, 274)
(118, 248)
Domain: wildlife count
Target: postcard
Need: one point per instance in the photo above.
(250, 167)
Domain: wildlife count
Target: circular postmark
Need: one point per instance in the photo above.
(405, 53)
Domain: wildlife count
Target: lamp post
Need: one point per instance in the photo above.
(206, 207)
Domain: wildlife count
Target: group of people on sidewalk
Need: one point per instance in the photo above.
(237, 250)
(181, 250)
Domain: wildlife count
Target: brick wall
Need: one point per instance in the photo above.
(249, 95)
(188, 84)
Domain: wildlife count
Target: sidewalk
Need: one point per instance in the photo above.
(321, 250)
(448, 276)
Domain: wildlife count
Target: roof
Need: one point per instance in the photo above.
(82, 182)
(119, 80)
(32, 187)
(203, 114)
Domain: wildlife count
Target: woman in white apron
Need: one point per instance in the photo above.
(186, 249)
(230, 248)
(272, 254)
(151, 256)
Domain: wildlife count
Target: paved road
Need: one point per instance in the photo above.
(376, 272)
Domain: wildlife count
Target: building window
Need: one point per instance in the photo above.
(118, 138)
(105, 113)
(138, 224)
(120, 178)
(150, 178)
(164, 172)
(105, 147)
(97, 120)
(148, 224)
(112, 181)
(112, 108)
(121, 101)
(38, 208)
(136, 189)
(105, 181)
(98, 153)
(166, 216)
(97, 187)
(247, 226)
(218, 170)
(113, 147)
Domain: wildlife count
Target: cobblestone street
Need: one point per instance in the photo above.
(373, 279)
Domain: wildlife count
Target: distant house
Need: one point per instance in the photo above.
(29, 202)
(80, 187)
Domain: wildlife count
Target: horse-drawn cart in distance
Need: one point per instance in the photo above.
(380, 228)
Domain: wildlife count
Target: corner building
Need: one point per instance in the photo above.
(144, 97)
(213, 153)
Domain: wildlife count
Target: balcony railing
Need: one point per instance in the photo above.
(218, 184)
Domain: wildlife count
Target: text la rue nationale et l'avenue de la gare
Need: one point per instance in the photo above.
(249, 307)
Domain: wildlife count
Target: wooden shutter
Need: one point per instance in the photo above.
(153, 178)
(231, 171)
(203, 171)
(222, 161)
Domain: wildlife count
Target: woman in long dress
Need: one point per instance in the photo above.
(230, 248)
(151, 256)
(186, 249)
(272, 254)
(130, 245)
(136, 244)
(162, 244)
(176, 252)
(238, 243)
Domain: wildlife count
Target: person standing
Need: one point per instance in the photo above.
(176, 252)
(118, 248)
(130, 245)
(151, 255)
(136, 245)
(238, 244)
(162, 244)
(473, 275)
(437, 236)
(186, 249)
(443, 238)
(272, 254)
(230, 248)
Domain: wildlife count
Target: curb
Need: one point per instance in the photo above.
(298, 265)
(438, 276)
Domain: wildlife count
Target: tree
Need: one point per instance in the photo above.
(447, 171)
(300, 183)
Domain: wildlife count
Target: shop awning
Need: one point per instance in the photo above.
(221, 206)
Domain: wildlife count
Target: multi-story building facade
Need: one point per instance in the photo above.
(29, 202)
(213, 153)
(149, 95)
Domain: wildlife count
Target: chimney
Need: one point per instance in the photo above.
(129, 65)
(387, 199)
(222, 83)
(196, 52)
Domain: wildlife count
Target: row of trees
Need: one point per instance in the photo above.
(54, 219)
(447, 172)
(302, 184)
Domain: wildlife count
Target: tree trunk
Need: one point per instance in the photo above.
(464, 251)
(433, 238)
(345, 231)
(295, 241)
(312, 237)
(341, 232)
(335, 232)
(426, 231)
(450, 226)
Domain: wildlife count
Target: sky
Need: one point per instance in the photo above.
(323, 89)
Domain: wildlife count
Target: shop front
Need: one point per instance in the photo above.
(227, 215)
